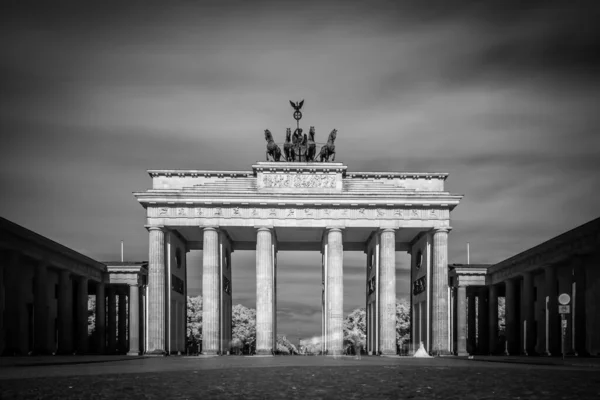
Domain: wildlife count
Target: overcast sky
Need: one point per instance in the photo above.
(504, 98)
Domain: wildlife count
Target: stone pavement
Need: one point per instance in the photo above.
(297, 377)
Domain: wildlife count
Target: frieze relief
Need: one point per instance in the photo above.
(298, 213)
(299, 181)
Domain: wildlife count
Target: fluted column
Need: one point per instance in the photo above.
(122, 321)
(529, 317)
(387, 292)
(264, 292)
(482, 321)
(335, 290)
(512, 328)
(101, 317)
(41, 321)
(461, 320)
(493, 319)
(82, 315)
(553, 333)
(134, 317)
(439, 312)
(211, 333)
(65, 313)
(471, 330)
(156, 291)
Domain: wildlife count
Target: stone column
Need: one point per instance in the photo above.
(335, 290)
(471, 316)
(553, 317)
(264, 292)
(493, 319)
(156, 291)
(211, 287)
(122, 322)
(387, 292)
(439, 296)
(134, 316)
(112, 321)
(529, 317)
(101, 317)
(41, 321)
(65, 313)
(482, 322)
(579, 309)
(461, 320)
(82, 315)
(512, 328)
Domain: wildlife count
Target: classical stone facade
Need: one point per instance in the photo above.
(530, 284)
(44, 292)
(299, 206)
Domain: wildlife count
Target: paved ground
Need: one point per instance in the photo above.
(298, 378)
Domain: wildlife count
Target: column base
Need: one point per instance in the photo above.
(155, 353)
(463, 354)
(264, 353)
(133, 353)
(443, 353)
(210, 353)
(387, 353)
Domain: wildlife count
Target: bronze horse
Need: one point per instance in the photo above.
(312, 147)
(272, 149)
(329, 149)
(287, 146)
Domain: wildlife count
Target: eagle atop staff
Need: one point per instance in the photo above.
(297, 105)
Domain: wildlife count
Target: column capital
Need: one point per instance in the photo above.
(155, 228)
(442, 229)
(264, 228)
(334, 228)
(393, 230)
(210, 228)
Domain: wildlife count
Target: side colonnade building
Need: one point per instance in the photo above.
(45, 289)
(530, 284)
(303, 206)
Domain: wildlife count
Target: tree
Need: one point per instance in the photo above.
(243, 326)
(355, 325)
(402, 321)
(194, 321)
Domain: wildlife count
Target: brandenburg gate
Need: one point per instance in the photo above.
(299, 206)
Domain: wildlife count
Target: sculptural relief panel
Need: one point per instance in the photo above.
(351, 213)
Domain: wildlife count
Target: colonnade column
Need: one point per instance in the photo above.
(529, 303)
(101, 317)
(112, 320)
(387, 292)
(156, 291)
(134, 317)
(553, 328)
(65, 313)
(440, 293)
(82, 315)
(122, 321)
(482, 321)
(41, 321)
(512, 328)
(579, 308)
(264, 292)
(335, 290)
(210, 291)
(471, 318)
(493, 319)
(461, 321)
